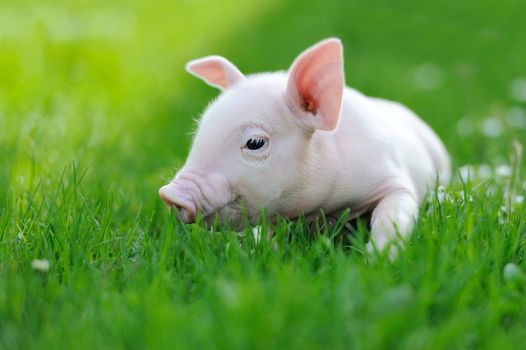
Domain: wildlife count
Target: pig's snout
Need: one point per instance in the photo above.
(191, 192)
(174, 196)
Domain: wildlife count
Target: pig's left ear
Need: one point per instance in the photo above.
(316, 84)
(216, 71)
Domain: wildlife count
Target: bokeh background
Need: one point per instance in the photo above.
(102, 83)
(96, 113)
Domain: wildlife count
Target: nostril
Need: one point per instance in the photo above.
(173, 198)
(185, 215)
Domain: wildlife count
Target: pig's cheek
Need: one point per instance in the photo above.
(251, 157)
(255, 159)
(230, 217)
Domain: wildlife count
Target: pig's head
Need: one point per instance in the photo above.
(254, 141)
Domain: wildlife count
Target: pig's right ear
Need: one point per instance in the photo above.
(216, 71)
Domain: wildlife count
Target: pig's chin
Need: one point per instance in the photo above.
(232, 215)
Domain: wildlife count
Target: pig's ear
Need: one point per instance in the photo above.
(216, 71)
(316, 83)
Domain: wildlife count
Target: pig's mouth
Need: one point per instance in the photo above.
(210, 198)
(191, 203)
(230, 215)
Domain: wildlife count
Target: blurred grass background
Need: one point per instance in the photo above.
(101, 84)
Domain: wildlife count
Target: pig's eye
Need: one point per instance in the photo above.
(254, 144)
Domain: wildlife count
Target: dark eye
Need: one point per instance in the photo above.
(254, 144)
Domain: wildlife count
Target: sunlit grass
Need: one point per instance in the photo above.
(96, 113)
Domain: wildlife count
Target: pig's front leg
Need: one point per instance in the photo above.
(394, 214)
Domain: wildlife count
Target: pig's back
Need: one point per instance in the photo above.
(397, 139)
(396, 114)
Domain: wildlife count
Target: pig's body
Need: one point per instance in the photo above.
(326, 148)
(381, 147)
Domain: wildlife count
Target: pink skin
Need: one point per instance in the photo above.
(320, 146)
(190, 191)
(315, 87)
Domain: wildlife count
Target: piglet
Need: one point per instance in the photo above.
(300, 142)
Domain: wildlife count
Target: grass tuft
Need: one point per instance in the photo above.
(96, 114)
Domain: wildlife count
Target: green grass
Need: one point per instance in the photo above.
(96, 114)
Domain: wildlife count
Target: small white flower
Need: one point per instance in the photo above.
(492, 190)
(229, 291)
(468, 197)
(518, 200)
(518, 90)
(428, 76)
(512, 272)
(492, 127)
(465, 126)
(40, 265)
(484, 171)
(503, 171)
(516, 118)
(441, 194)
(466, 172)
